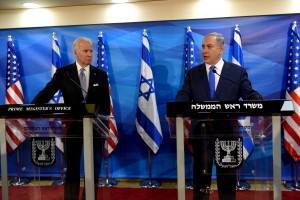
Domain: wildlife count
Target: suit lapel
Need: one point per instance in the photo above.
(200, 79)
(92, 78)
(203, 76)
(74, 76)
(221, 84)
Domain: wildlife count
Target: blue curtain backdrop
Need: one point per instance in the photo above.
(265, 40)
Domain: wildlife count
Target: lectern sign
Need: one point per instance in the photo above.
(237, 108)
(47, 109)
(43, 151)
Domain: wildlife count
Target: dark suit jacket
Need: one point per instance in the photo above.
(233, 85)
(64, 79)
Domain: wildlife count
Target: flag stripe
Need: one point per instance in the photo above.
(291, 149)
(14, 139)
(15, 92)
(187, 128)
(151, 128)
(295, 96)
(247, 145)
(146, 58)
(295, 116)
(112, 125)
(147, 138)
(9, 99)
(296, 119)
(291, 128)
(292, 135)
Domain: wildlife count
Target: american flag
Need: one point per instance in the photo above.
(244, 121)
(189, 63)
(113, 139)
(14, 95)
(291, 125)
(57, 98)
(147, 118)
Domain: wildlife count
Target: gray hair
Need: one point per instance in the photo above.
(219, 37)
(78, 40)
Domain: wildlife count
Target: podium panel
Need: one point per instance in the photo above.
(39, 141)
(220, 133)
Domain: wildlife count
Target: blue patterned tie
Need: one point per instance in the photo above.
(211, 80)
(82, 79)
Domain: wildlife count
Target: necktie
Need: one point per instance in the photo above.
(211, 80)
(82, 79)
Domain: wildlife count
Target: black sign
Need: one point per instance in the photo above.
(234, 108)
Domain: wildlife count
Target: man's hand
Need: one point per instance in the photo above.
(170, 121)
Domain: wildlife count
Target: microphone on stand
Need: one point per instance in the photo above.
(86, 94)
(254, 96)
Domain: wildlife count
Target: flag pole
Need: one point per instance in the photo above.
(292, 87)
(190, 61)
(18, 181)
(112, 134)
(107, 181)
(237, 58)
(294, 185)
(61, 181)
(147, 118)
(150, 183)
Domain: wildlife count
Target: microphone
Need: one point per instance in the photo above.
(86, 94)
(254, 96)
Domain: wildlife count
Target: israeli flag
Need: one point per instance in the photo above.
(147, 119)
(244, 122)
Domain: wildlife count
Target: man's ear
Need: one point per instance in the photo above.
(222, 48)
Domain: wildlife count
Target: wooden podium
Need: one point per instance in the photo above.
(274, 108)
(87, 112)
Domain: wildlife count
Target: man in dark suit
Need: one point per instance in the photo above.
(231, 84)
(77, 86)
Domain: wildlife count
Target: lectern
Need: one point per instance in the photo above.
(217, 110)
(87, 113)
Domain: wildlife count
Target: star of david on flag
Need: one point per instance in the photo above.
(146, 87)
